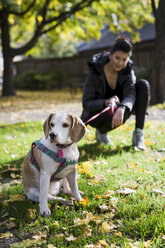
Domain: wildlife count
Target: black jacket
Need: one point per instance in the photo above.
(95, 86)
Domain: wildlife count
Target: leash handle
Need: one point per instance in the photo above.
(112, 107)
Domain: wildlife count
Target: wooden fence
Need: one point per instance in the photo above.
(76, 67)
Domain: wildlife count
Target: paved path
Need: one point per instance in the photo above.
(42, 113)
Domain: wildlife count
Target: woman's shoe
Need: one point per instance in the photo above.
(103, 138)
(138, 139)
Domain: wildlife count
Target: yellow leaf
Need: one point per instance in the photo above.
(103, 243)
(6, 235)
(118, 234)
(144, 196)
(31, 213)
(147, 244)
(84, 202)
(71, 238)
(14, 198)
(147, 142)
(105, 227)
(39, 236)
(39, 18)
(84, 167)
(133, 165)
(107, 194)
(55, 223)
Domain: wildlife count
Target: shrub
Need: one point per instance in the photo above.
(143, 73)
(33, 80)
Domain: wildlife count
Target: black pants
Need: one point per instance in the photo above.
(104, 121)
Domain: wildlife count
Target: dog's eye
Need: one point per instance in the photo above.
(52, 124)
(65, 125)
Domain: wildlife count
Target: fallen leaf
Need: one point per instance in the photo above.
(118, 234)
(28, 243)
(14, 198)
(147, 142)
(107, 194)
(147, 244)
(103, 243)
(10, 225)
(51, 246)
(126, 191)
(105, 227)
(84, 202)
(31, 213)
(61, 235)
(144, 196)
(104, 207)
(163, 238)
(84, 167)
(9, 170)
(55, 223)
(89, 246)
(159, 192)
(88, 217)
(71, 238)
(87, 232)
(39, 236)
(6, 235)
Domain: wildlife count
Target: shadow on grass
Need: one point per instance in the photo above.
(11, 170)
(94, 150)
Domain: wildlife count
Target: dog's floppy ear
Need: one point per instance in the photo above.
(46, 125)
(78, 128)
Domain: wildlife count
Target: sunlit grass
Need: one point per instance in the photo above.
(111, 215)
(39, 99)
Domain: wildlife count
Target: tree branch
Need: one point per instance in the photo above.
(154, 9)
(23, 12)
(39, 29)
(64, 15)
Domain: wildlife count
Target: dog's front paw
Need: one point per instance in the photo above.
(67, 202)
(45, 211)
(81, 193)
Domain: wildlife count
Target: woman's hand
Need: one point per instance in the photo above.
(118, 117)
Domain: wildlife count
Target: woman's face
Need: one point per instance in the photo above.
(119, 60)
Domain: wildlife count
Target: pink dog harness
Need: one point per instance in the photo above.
(58, 157)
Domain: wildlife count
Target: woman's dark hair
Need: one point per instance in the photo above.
(122, 44)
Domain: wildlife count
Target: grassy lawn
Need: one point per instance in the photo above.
(29, 100)
(124, 203)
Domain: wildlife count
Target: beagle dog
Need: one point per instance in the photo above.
(52, 162)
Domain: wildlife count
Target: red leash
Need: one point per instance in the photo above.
(113, 102)
(95, 116)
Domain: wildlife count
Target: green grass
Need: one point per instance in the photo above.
(108, 214)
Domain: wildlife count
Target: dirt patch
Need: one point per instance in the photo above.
(40, 114)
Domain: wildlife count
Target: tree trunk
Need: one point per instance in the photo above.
(8, 84)
(158, 82)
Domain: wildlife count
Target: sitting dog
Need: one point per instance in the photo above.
(52, 162)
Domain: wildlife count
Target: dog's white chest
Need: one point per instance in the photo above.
(67, 161)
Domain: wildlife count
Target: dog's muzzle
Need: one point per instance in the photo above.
(53, 135)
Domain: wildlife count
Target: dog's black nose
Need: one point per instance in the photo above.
(53, 135)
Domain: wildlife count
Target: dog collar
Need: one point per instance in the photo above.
(62, 146)
(58, 157)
